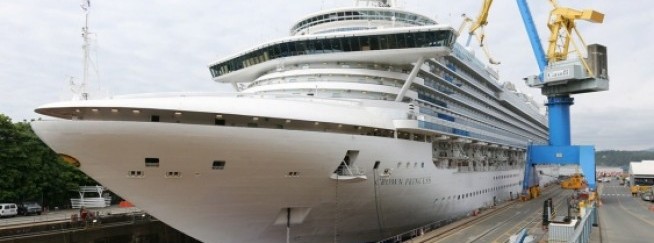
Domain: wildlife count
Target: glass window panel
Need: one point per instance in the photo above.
(401, 41)
(345, 42)
(336, 45)
(410, 40)
(365, 43)
(430, 37)
(318, 45)
(291, 49)
(374, 42)
(326, 45)
(274, 51)
(383, 42)
(391, 42)
(239, 64)
(441, 37)
(354, 42)
(283, 47)
(420, 39)
(311, 46)
(301, 47)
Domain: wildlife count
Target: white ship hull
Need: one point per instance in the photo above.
(242, 202)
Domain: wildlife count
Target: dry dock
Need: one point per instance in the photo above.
(111, 225)
(622, 218)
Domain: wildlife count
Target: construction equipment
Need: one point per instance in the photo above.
(477, 29)
(560, 76)
(574, 182)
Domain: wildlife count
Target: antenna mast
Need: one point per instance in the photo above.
(86, 4)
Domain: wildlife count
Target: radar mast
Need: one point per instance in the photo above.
(84, 95)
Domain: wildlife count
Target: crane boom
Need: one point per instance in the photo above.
(482, 19)
(561, 25)
(477, 29)
(536, 46)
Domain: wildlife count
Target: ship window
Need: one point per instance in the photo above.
(336, 44)
(374, 43)
(154, 118)
(318, 46)
(420, 39)
(301, 47)
(401, 41)
(383, 42)
(345, 42)
(354, 41)
(283, 49)
(365, 43)
(151, 162)
(274, 51)
(218, 165)
(219, 122)
(291, 49)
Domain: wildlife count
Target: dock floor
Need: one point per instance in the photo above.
(624, 218)
(499, 224)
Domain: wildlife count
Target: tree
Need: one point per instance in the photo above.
(31, 171)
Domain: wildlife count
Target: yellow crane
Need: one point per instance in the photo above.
(477, 29)
(561, 25)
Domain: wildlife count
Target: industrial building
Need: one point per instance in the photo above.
(642, 173)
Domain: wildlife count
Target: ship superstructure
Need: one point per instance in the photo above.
(364, 122)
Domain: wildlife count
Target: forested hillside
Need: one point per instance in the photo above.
(622, 158)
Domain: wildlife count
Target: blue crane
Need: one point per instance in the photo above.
(559, 78)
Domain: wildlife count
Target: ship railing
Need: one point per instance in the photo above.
(97, 189)
(582, 229)
(234, 95)
(94, 202)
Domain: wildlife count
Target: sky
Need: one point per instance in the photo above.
(165, 46)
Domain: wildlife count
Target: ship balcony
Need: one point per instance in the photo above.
(349, 173)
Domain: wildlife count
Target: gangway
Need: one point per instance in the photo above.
(100, 201)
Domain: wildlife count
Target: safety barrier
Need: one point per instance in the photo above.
(584, 228)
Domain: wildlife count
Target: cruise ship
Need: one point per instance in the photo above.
(366, 121)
